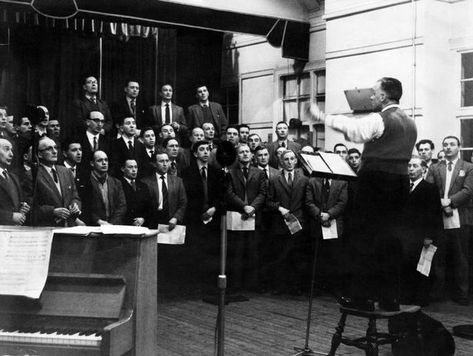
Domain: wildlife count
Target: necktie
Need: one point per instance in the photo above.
(133, 185)
(95, 144)
(410, 187)
(283, 144)
(204, 174)
(173, 168)
(289, 179)
(130, 146)
(94, 100)
(5, 174)
(102, 179)
(168, 114)
(450, 166)
(133, 106)
(73, 170)
(205, 189)
(245, 172)
(266, 174)
(164, 192)
(326, 191)
(53, 171)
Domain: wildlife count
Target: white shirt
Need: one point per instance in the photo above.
(163, 111)
(360, 131)
(1, 171)
(265, 168)
(286, 175)
(73, 169)
(200, 165)
(160, 188)
(448, 177)
(416, 183)
(90, 137)
(127, 139)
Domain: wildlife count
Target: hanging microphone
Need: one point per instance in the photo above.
(226, 153)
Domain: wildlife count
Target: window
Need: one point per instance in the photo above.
(298, 92)
(467, 79)
(466, 127)
(231, 104)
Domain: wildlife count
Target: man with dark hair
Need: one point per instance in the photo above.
(88, 103)
(72, 154)
(56, 201)
(128, 146)
(207, 111)
(137, 196)
(13, 207)
(243, 132)
(454, 180)
(166, 112)
(282, 132)
(147, 161)
(262, 162)
(232, 135)
(178, 159)
(383, 188)
(341, 150)
(130, 105)
(354, 158)
(425, 149)
(254, 140)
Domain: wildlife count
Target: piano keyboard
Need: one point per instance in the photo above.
(66, 337)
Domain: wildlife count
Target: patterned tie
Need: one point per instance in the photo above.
(53, 171)
(133, 106)
(5, 174)
(164, 192)
(73, 170)
(168, 114)
(450, 166)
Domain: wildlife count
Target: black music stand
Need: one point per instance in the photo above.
(324, 165)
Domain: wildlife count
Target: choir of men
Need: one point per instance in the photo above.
(161, 167)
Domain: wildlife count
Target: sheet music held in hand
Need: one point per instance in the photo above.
(293, 224)
(235, 222)
(176, 236)
(330, 232)
(425, 261)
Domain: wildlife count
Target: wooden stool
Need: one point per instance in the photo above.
(373, 338)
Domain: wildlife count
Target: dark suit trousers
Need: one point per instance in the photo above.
(375, 246)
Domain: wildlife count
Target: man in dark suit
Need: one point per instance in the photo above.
(282, 131)
(326, 200)
(423, 217)
(168, 113)
(262, 162)
(72, 153)
(91, 139)
(425, 149)
(168, 195)
(105, 203)
(56, 201)
(13, 208)
(90, 102)
(138, 198)
(128, 146)
(204, 187)
(207, 111)
(286, 200)
(178, 159)
(147, 160)
(131, 105)
(454, 180)
(245, 194)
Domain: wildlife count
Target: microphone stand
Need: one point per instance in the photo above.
(34, 173)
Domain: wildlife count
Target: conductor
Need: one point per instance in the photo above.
(389, 136)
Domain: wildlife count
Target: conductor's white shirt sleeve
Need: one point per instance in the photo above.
(357, 130)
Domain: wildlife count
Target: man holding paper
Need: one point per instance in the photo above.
(454, 180)
(389, 136)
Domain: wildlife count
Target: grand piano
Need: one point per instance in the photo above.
(100, 298)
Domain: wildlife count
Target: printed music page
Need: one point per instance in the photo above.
(425, 260)
(337, 164)
(293, 224)
(174, 237)
(330, 232)
(451, 222)
(24, 262)
(236, 223)
(315, 163)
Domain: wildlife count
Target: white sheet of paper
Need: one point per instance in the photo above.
(425, 261)
(78, 230)
(24, 262)
(451, 222)
(331, 232)
(123, 229)
(236, 223)
(176, 236)
(293, 224)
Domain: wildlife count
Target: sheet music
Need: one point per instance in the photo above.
(337, 164)
(315, 163)
(293, 224)
(330, 232)
(78, 230)
(123, 229)
(425, 261)
(451, 222)
(176, 236)
(236, 223)
(24, 262)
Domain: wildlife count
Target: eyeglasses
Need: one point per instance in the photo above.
(50, 149)
(97, 121)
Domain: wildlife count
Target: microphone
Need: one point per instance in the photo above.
(226, 153)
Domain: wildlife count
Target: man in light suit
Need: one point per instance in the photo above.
(454, 180)
(286, 199)
(168, 195)
(207, 111)
(56, 201)
(167, 112)
(282, 131)
(131, 105)
(13, 208)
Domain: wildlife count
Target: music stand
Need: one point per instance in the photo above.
(324, 165)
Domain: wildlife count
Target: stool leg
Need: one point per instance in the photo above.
(372, 338)
(337, 337)
(420, 337)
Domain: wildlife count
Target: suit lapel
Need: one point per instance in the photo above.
(7, 191)
(443, 177)
(455, 172)
(284, 184)
(50, 182)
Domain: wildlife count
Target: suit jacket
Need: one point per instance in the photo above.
(177, 199)
(121, 109)
(9, 203)
(460, 191)
(47, 197)
(119, 153)
(138, 203)
(155, 119)
(196, 118)
(293, 199)
(423, 218)
(81, 177)
(254, 189)
(82, 107)
(146, 164)
(194, 186)
(87, 152)
(273, 146)
(335, 206)
(96, 206)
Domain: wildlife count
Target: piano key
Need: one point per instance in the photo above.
(56, 337)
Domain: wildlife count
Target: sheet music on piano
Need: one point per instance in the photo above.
(24, 262)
